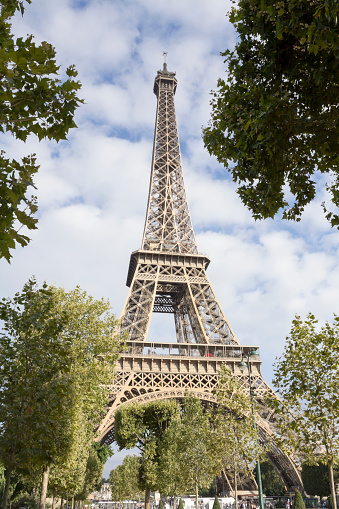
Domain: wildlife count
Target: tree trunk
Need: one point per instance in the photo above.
(333, 494)
(147, 498)
(196, 494)
(8, 480)
(44, 485)
(62, 503)
(174, 502)
(235, 487)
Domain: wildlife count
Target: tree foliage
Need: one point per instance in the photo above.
(199, 451)
(271, 483)
(124, 479)
(33, 101)
(172, 482)
(143, 426)
(234, 424)
(298, 502)
(216, 503)
(307, 378)
(274, 119)
(57, 351)
(316, 480)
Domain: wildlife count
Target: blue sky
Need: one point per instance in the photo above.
(92, 190)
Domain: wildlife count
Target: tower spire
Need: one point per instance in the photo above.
(165, 64)
(168, 225)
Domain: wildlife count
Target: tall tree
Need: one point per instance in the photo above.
(57, 351)
(234, 424)
(68, 473)
(93, 474)
(316, 479)
(33, 101)
(307, 379)
(200, 456)
(124, 479)
(143, 426)
(172, 481)
(274, 120)
(271, 483)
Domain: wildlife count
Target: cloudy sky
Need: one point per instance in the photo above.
(92, 189)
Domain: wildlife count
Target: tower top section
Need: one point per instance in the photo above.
(168, 225)
(165, 79)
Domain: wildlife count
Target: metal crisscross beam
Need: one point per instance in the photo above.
(168, 275)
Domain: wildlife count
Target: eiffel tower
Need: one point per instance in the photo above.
(168, 275)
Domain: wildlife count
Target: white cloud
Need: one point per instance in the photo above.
(92, 190)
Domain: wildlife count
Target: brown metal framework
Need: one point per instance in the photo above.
(168, 275)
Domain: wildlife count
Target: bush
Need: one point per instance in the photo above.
(181, 504)
(298, 501)
(216, 504)
(25, 500)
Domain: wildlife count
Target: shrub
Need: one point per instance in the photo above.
(298, 501)
(216, 504)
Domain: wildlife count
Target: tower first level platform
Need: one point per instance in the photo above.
(148, 371)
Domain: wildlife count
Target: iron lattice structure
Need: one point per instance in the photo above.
(168, 275)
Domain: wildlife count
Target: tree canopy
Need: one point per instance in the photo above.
(33, 101)
(124, 479)
(271, 482)
(316, 480)
(274, 121)
(143, 426)
(306, 377)
(234, 425)
(192, 453)
(57, 351)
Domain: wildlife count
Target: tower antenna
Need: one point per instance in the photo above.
(165, 64)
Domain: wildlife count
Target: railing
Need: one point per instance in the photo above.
(219, 351)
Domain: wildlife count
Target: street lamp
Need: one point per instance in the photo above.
(242, 365)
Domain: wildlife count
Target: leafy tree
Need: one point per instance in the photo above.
(33, 101)
(316, 479)
(274, 120)
(271, 482)
(298, 502)
(93, 475)
(200, 454)
(307, 378)
(239, 439)
(143, 426)
(68, 474)
(132, 465)
(208, 492)
(57, 350)
(124, 479)
(104, 451)
(171, 479)
(117, 481)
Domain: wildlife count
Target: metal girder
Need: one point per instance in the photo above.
(168, 275)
